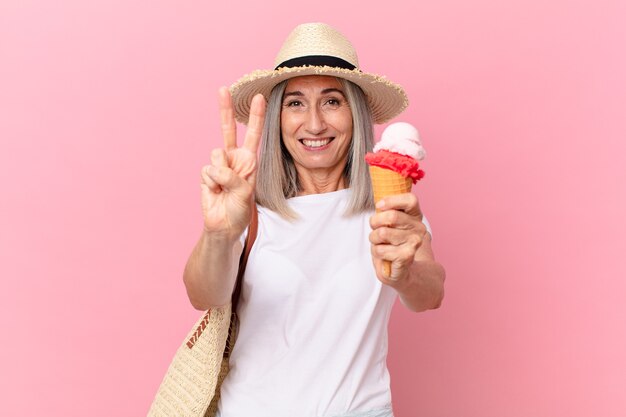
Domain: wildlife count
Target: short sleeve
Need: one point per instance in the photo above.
(243, 237)
(427, 224)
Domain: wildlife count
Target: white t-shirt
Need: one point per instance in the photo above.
(313, 317)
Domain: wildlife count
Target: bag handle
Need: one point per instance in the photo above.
(243, 260)
(233, 329)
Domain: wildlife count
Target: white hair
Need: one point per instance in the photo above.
(277, 179)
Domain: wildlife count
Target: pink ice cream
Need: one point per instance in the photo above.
(398, 150)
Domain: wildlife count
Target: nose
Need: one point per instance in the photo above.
(315, 123)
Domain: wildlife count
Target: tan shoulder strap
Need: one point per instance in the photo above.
(243, 261)
(233, 329)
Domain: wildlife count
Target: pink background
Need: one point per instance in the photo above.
(108, 111)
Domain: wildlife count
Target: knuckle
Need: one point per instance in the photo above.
(216, 174)
(415, 241)
(247, 191)
(374, 221)
(407, 253)
(392, 217)
(254, 130)
(226, 174)
(215, 153)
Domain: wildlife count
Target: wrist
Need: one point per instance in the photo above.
(221, 238)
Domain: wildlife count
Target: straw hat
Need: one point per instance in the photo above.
(319, 49)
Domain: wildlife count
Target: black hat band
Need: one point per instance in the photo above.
(316, 61)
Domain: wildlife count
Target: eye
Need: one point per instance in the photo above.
(333, 102)
(293, 103)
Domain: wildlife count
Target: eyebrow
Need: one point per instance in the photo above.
(324, 91)
(333, 90)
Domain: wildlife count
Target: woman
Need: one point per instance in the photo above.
(315, 303)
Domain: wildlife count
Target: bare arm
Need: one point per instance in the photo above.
(227, 187)
(211, 271)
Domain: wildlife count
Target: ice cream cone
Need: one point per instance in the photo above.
(394, 166)
(386, 182)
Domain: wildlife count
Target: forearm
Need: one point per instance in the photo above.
(211, 271)
(422, 289)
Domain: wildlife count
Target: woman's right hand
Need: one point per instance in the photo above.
(228, 183)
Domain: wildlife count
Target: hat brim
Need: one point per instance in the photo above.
(385, 98)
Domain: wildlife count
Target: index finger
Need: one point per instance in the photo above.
(227, 117)
(255, 123)
(406, 202)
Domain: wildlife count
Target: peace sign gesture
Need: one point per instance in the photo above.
(228, 183)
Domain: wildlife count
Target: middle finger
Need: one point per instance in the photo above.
(395, 237)
(393, 218)
(255, 123)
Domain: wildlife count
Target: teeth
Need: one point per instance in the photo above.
(315, 143)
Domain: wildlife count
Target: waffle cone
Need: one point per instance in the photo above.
(386, 182)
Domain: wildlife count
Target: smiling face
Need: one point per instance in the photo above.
(316, 126)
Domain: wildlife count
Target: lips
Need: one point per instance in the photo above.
(316, 143)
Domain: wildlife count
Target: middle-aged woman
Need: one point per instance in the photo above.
(315, 303)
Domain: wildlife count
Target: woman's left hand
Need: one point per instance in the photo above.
(397, 235)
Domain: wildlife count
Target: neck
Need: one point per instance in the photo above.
(319, 182)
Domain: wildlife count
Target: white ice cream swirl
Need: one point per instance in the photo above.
(401, 138)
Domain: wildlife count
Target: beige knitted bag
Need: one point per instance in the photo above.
(191, 384)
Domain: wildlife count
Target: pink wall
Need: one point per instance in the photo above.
(108, 110)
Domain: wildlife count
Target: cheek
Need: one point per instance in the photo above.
(346, 127)
(349, 131)
(288, 126)
(344, 122)
(287, 136)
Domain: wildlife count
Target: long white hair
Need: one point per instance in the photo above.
(277, 179)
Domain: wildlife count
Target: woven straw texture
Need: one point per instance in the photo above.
(385, 98)
(316, 39)
(386, 182)
(192, 377)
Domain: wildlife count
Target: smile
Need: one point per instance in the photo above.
(316, 143)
